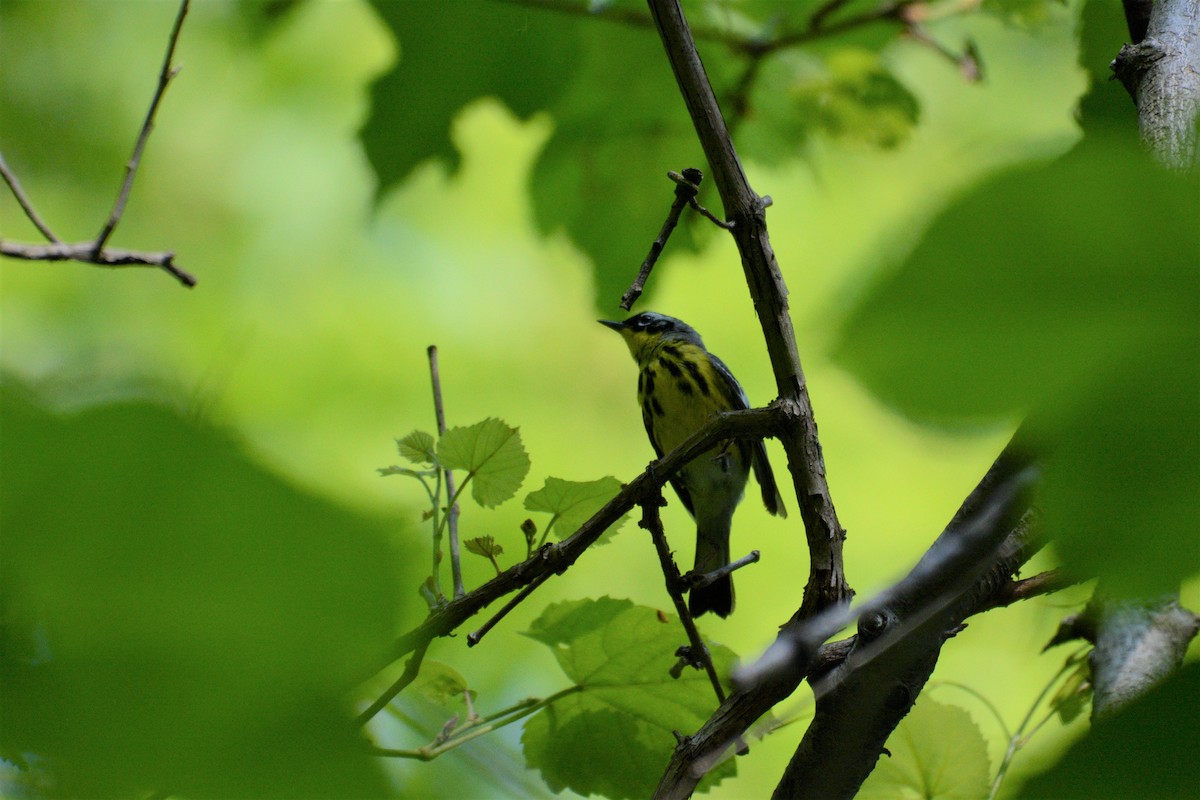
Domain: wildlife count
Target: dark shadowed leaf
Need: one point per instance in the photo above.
(176, 618)
(621, 654)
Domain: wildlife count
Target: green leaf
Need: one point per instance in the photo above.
(166, 597)
(492, 453)
(621, 654)
(441, 684)
(524, 57)
(396, 469)
(845, 93)
(1148, 749)
(417, 447)
(572, 503)
(483, 546)
(937, 753)
(1035, 292)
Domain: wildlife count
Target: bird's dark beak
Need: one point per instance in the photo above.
(608, 323)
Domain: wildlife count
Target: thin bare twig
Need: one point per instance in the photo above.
(452, 511)
(696, 580)
(686, 187)
(85, 253)
(164, 77)
(94, 252)
(474, 636)
(698, 652)
(26, 205)
(1048, 582)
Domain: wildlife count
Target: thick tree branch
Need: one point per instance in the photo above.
(897, 646)
(1162, 73)
(1138, 644)
(746, 210)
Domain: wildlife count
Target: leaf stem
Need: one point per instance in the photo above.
(452, 511)
(479, 726)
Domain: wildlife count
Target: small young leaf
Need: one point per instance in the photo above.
(572, 503)
(622, 655)
(937, 752)
(492, 453)
(417, 447)
(396, 469)
(483, 546)
(441, 684)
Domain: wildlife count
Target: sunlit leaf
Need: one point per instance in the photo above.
(622, 655)
(417, 447)
(937, 752)
(572, 503)
(493, 455)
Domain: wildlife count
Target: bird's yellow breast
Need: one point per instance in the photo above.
(679, 390)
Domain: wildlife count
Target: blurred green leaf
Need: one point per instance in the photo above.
(417, 447)
(396, 469)
(846, 93)
(1076, 692)
(937, 752)
(1072, 289)
(175, 618)
(441, 683)
(1024, 13)
(621, 654)
(451, 54)
(492, 453)
(572, 503)
(1146, 750)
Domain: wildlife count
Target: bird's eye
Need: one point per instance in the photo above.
(641, 323)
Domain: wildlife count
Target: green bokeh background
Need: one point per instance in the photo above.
(306, 335)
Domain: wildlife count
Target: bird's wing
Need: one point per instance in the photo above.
(676, 482)
(756, 451)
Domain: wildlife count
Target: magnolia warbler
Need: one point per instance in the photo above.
(680, 386)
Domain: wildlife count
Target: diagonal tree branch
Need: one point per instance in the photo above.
(746, 211)
(861, 681)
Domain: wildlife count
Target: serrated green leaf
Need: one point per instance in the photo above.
(622, 655)
(417, 447)
(492, 453)
(937, 753)
(572, 503)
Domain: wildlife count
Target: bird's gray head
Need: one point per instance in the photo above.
(649, 330)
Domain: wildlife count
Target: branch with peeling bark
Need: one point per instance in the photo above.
(96, 252)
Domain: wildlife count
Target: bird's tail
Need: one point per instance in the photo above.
(712, 552)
